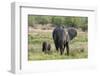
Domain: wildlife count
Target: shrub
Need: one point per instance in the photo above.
(84, 28)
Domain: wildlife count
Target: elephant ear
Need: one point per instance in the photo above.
(72, 33)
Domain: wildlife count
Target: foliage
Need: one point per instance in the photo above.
(84, 28)
(68, 21)
(78, 46)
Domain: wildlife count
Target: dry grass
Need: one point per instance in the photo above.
(78, 46)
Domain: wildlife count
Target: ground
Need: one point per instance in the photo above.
(78, 46)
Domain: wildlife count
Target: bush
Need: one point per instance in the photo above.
(84, 28)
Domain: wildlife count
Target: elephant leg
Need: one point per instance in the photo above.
(43, 49)
(56, 45)
(64, 46)
(67, 47)
(61, 50)
(57, 48)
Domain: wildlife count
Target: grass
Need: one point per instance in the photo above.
(78, 46)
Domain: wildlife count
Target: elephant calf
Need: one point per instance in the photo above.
(46, 47)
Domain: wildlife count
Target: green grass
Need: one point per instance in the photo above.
(78, 46)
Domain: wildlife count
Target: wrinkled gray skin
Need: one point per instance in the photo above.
(62, 37)
(46, 47)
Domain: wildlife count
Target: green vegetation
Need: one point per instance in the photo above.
(78, 46)
(67, 21)
(40, 29)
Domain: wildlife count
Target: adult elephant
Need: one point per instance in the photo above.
(62, 37)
